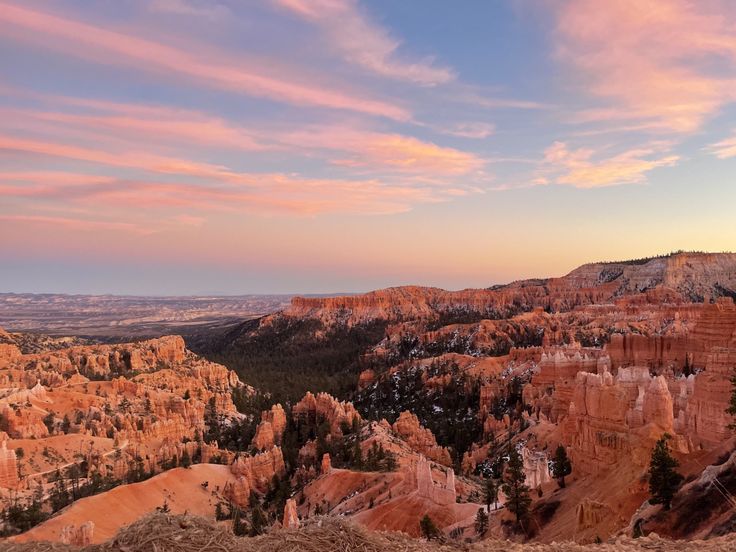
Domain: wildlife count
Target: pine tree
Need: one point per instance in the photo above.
(258, 522)
(186, 460)
(481, 522)
(515, 488)
(59, 494)
(732, 404)
(357, 454)
(428, 528)
(663, 479)
(490, 493)
(239, 527)
(561, 466)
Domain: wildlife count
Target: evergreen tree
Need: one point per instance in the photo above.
(66, 424)
(515, 488)
(19, 455)
(357, 454)
(239, 527)
(481, 522)
(212, 421)
(59, 494)
(732, 404)
(258, 522)
(561, 466)
(428, 528)
(663, 479)
(49, 421)
(490, 493)
(186, 460)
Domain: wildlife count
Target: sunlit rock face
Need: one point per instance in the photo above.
(326, 407)
(420, 439)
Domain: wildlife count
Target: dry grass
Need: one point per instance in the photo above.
(166, 533)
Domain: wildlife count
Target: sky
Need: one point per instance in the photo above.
(319, 146)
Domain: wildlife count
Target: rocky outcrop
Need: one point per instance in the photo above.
(657, 405)
(291, 518)
(553, 381)
(264, 437)
(271, 428)
(589, 513)
(327, 408)
(440, 493)
(8, 466)
(238, 491)
(326, 465)
(8, 353)
(687, 277)
(24, 423)
(420, 439)
(612, 418)
(259, 470)
(705, 414)
(78, 536)
(536, 468)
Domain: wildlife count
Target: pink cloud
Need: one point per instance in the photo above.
(376, 151)
(221, 71)
(130, 122)
(669, 62)
(724, 149)
(76, 224)
(581, 168)
(266, 193)
(132, 159)
(361, 41)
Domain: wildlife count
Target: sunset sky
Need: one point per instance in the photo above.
(311, 146)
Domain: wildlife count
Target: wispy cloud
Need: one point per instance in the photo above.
(583, 168)
(128, 159)
(376, 151)
(77, 223)
(469, 130)
(651, 61)
(363, 42)
(273, 194)
(208, 9)
(724, 149)
(221, 71)
(158, 124)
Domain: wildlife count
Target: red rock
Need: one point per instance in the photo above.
(264, 437)
(238, 491)
(259, 470)
(291, 519)
(78, 536)
(271, 428)
(439, 493)
(420, 439)
(8, 466)
(366, 378)
(326, 407)
(326, 465)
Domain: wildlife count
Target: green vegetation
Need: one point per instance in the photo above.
(481, 522)
(290, 357)
(490, 493)
(428, 528)
(561, 466)
(515, 488)
(663, 479)
(451, 413)
(732, 403)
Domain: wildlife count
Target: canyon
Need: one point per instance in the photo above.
(417, 400)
